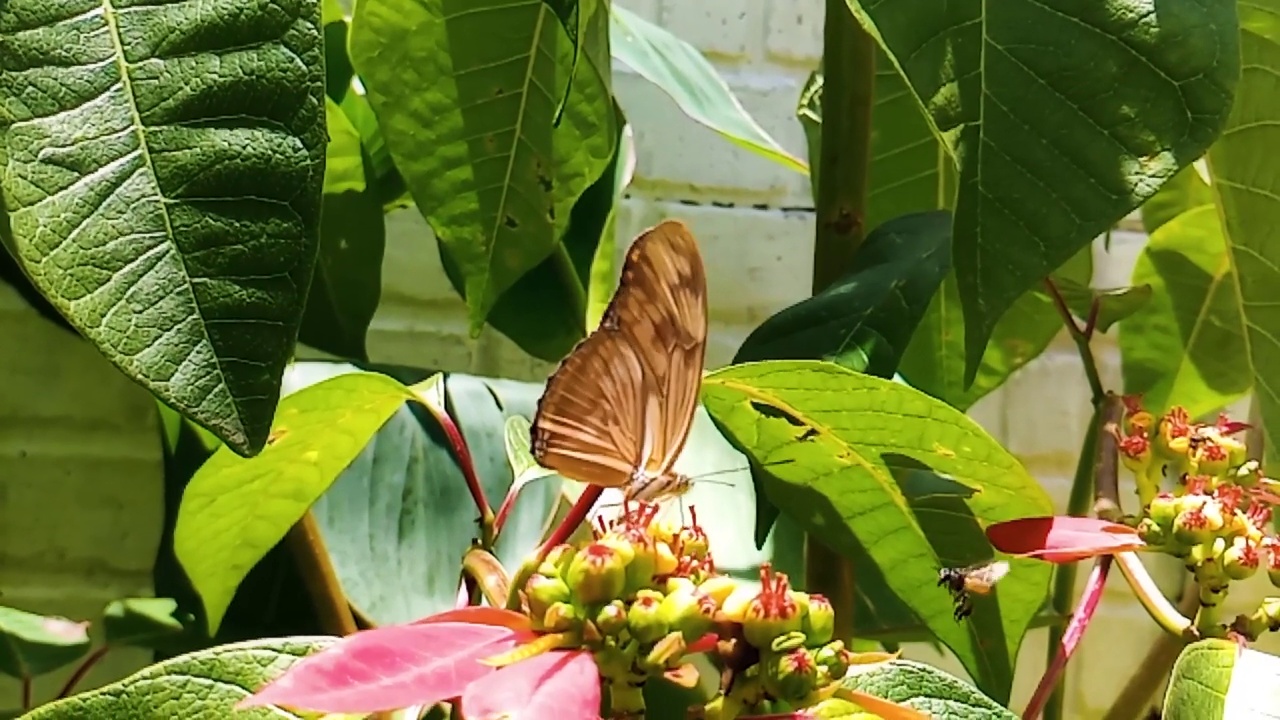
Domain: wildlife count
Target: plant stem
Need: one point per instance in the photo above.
(1081, 338)
(26, 692)
(1153, 601)
(85, 667)
(306, 545)
(1064, 579)
(840, 207)
(1071, 638)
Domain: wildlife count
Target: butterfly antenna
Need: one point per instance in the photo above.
(713, 473)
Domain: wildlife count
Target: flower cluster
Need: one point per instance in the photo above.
(1217, 519)
(644, 594)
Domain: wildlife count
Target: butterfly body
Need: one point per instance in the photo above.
(618, 410)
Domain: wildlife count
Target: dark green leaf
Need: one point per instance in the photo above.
(1113, 305)
(927, 689)
(32, 645)
(163, 182)
(347, 284)
(859, 462)
(141, 622)
(337, 64)
(545, 311)
(236, 509)
(680, 70)
(465, 93)
(865, 319)
(380, 170)
(1063, 118)
(204, 685)
(1188, 345)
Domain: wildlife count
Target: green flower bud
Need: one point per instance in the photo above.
(789, 676)
(786, 642)
(557, 561)
(597, 574)
(665, 561)
(834, 658)
(544, 591)
(774, 611)
(718, 588)
(644, 562)
(819, 624)
(561, 617)
(735, 604)
(690, 611)
(1163, 509)
(612, 618)
(645, 619)
(1191, 526)
(1152, 533)
(693, 542)
(1240, 560)
(1173, 434)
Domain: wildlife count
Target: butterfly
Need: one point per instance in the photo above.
(618, 409)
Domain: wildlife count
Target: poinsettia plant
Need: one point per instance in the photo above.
(205, 192)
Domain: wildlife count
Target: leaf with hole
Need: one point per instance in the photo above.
(866, 463)
(466, 95)
(163, 177)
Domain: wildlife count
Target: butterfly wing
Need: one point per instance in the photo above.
(625, 396)
(661, 308)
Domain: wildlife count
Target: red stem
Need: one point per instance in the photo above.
(505, 509)
(1091, 323)
(26, 692)
(576, 515)
(83, 670)
(1071, 637)
(1063, 309)
(463, 453)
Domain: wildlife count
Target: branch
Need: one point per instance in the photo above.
(306, 545)
(1081, 338)
(1106, 467)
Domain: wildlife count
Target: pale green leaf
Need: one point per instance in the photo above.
(1184, 191)
(872, 464)
(466, 95)
(236, 509)
(926, 689)
(679, 70)
(32, 645)
(163, 171)
(344, 165)
(203, 685)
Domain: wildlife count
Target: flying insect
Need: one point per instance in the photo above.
(975, 579)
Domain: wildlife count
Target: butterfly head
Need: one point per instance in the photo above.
(652, 488)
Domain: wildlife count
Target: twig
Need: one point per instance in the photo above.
(1081, 338)
(1106, 469)
(306, 545)
(85, 667)
(26, 692)
(1071, 638)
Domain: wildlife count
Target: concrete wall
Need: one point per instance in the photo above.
(79, 463)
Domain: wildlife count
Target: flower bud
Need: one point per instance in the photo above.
(1269, 611)
(768, 618)
(718, 588)
(1173, 434)
(693, 542)
(665, 561)
(1163, 509)
(544, 591)
(1152, 533)
(819, 623)
(835, 658)
(1240, 560)
(735, 604)
(645, 621)
(644, 562)
(690, 611)
(612, 618)
(1191, 526)
(1209, 458)
(561, 617)
(597, 574)
(786, 642)
(791, 675)
(557, 561)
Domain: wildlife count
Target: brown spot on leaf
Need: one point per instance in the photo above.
(276, 435)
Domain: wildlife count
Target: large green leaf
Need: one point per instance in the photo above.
(163, 170)
(347, 284)
(32, 645)
(1187, 346)
(1217, 679)
(466, 93)
(679, 70)
(399, 518)
(912, 172)
(865, 319)
(546, 311)
(1247, 184)
(344, 161)
(236, 509)
(1187, 189)
(1062, 117)
(925, 688)
(204, 685)
(934, 361)
(860, 463)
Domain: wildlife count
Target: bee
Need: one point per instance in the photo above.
(978, 579)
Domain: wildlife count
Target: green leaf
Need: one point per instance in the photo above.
(603, 278)
(859, 461)
(1202, 680)
(32, 645)
(399, 518)
(1186, 190)
(1247, 186)
(163, 178)
(925, 688)
(1114, 304)
(347, 284)
(934, 361)
(1188, 345)
(203, 685)
(344, 162)
(545, 311)
(865, 319)
(465, 95)
(141, 622)
(1062, 118)
(680, 71)
(236, 509)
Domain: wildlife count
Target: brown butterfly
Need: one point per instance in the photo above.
(617, 411)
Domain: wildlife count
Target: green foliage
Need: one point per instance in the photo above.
(926, 689)
(34, 645)
(878, 470)
(163, 186)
